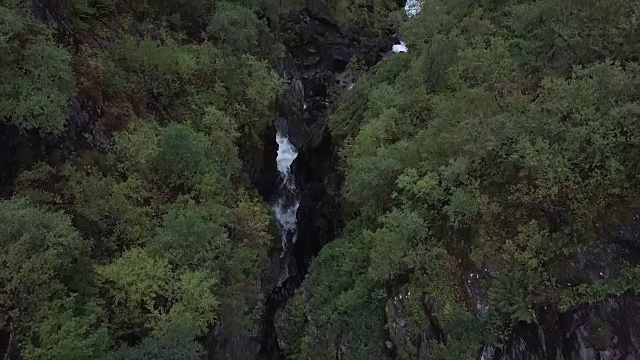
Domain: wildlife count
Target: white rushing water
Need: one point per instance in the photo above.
(286, 154)
(412, 9)
(287, 203)
(398, 48)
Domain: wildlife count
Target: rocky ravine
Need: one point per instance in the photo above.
(315, 69)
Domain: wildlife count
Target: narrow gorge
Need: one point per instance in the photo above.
(306, 199)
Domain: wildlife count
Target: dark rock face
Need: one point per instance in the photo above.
(266, 177)
(19, 149)
(607, 331)
(319, 54)
(610, 330)
(223, 344)
(12, 144)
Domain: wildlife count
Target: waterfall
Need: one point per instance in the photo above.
(287, 202)
(398, 48)
(412, 8)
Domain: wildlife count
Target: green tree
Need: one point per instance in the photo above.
(42, 256)
(195, 303)
(136, 148)
(234, 27)
(148, 294)
(192, 235)
(176, 344)
(186, 155)
(110, 212)
(38, 81)
(68, 332)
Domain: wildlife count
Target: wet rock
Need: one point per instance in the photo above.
(311, 61)
(595, 263)
(12, 144)
(280, 320)
(319, 88)
(224, 345)
(85, 124)
(341, 58)
(266, 178)
(291, 102)
(477, 293)
(319, 9)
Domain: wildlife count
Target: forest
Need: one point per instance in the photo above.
(482, 186)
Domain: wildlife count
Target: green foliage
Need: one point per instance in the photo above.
(135, 150)
(185, 155)
(393, 244)
(509, 300)
(296, 324)
(234, 27)
(466, 335)
(138, 278)
(42, 257)
(147, 293)
(242, 262)
(226, 95)
(369, 183)
(172, 77)
(179, 156)
(37, 78)
(371, 18)
(176, 344)
(68, 332)
(627, 281)
(183, 81)
(220, 129)
(175, 234)
(191, 235)
(107, 209)
(251, 87)
(195, 304)
(340, 308)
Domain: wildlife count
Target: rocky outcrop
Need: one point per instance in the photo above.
(316, 70)
(605, 330)
(608, 331)
(12, 144)
(225, 344)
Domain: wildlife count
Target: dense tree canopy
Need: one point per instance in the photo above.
(478, 170)
(38, 81)
(496, 148)
(133, 249)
